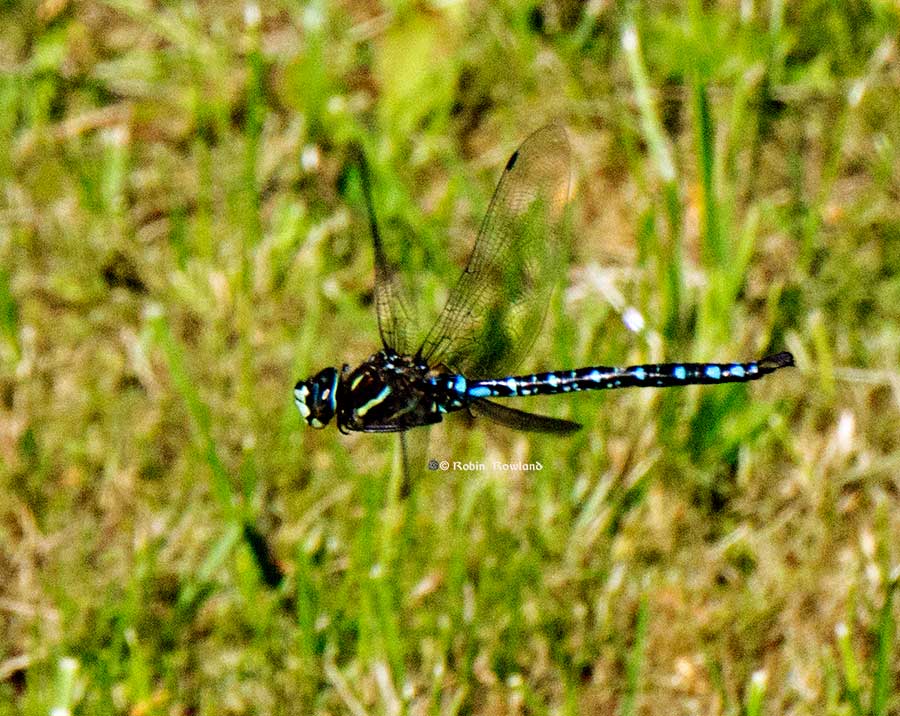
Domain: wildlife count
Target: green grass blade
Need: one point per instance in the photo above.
(851, 669)
(67, 687)
(756, 693)
(660, 153)
(9, 319)
(887, 628)
(193, 592)
(307, 601)
(162, 335)
(256, 112)
(714, 250)
(635, 665)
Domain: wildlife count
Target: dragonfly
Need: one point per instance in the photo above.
(490, 320)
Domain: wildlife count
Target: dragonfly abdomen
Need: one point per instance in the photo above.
(652, 375)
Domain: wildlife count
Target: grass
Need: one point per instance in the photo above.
(182, 238)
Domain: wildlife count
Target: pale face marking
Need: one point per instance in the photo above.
(300, 395)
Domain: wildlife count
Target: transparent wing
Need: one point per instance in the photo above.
(390, 296)
(520, 420)
(494, 312)
(414, 450)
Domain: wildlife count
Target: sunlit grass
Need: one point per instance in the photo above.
(182, 237)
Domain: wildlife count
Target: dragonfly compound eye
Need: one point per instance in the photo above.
(316, 398)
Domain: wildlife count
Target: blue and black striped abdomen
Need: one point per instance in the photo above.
(654, 375)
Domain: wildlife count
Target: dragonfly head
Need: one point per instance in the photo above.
(316, 398)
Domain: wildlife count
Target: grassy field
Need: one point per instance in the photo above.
(182, 238)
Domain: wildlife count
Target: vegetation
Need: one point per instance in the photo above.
(182, 237)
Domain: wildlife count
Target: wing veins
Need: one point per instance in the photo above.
(538, 171)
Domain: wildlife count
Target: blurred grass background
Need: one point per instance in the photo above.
(180, 241)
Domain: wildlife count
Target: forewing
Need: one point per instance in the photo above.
(494, 312)
(390, 295)
(414, 446)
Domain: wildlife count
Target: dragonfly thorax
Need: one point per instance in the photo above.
(387, 392)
